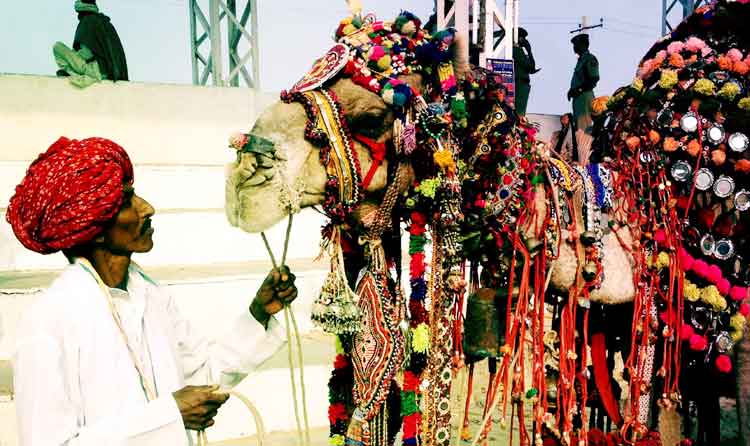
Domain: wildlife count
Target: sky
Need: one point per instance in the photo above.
(293, 33)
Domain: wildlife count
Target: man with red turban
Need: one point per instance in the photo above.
(103, 356)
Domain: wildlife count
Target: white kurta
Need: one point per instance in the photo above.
(75, 381)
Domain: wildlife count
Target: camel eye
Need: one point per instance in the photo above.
(371, 124)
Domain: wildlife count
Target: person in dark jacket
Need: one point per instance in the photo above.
(585, 78)
(95, 32)
(525, 66)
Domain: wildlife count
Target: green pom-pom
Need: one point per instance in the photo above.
(531, 393)
(408, 403)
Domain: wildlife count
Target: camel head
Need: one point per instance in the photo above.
(280, 169)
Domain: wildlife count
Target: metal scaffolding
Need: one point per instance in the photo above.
(484, 24)
(670, 17)
(208, 20)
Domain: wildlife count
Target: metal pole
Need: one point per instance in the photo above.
(234, 80)
(254, 44)
(193, 39)
(215, 33)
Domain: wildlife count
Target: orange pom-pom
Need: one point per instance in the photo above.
(676, 60)
(742, 166)
(654, 137)
(741, 68)
(671, 144)
(633, 142)
(694, 148)
(718, 157)
(725, 63)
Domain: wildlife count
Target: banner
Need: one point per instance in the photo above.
(504, 67)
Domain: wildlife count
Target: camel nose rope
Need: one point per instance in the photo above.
(289, 317)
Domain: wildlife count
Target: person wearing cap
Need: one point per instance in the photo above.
(585, 78)
(103, 356)
(524, 67)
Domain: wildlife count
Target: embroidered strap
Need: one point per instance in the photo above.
(148, 388)
(341, 162)
(377, 151)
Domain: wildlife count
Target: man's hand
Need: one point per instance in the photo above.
(277, 290)
(199, 405)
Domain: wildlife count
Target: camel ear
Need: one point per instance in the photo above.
(414, 80)
(460, 56)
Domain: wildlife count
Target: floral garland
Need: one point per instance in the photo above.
(677, 138)
(341, 404)
(420, 332)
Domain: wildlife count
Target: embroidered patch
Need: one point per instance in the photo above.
(323, 69)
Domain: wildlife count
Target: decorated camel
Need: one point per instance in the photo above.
(392, 126)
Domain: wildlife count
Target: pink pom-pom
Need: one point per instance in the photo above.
(686, 332)
(724, 286)
(714, 274)
(675, 47)
(660, 236)
(695, 44)
(700, 268)
(745, 310)
(698, 343)
(738, 293)
(377, 52)
(686, 260)
(735, 55)
(723, 363)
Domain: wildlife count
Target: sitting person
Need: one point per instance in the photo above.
(97, 52)
(103, 356)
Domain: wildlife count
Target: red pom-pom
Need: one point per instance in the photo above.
(724, 286)
(411, 423)
(714, 274)
(686, 332)
(723, 363)
(698, 343)
(660, 237)
(340, 362)
(738, 293)
(411, 382)
(416, 265)
(686, 260)
(337, 412)
(745, 310)
(417, 218)
(700, 268)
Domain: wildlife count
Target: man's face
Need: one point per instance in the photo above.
(565, 120)
(131, 229)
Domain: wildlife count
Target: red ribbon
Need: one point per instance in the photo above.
(601, 377)
(377, 152)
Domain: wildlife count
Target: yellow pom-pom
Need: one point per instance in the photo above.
(348, 29)
(421, 338)
(339, 347)
(744, 104)
(692, 293)
(737, 336)
(637, 84)
(663, 260)
(337, 440)
(384, 62)
(444, 160)
(738, 322)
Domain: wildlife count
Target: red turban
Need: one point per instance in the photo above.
(69, 194)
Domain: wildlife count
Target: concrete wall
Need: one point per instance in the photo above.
(176, 137)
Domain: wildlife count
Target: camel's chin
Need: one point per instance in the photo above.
(254, 208)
